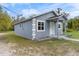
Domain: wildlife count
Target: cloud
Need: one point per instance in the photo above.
(29, 12)
(75, 10)
(71, 8)
(13, 4)
(74, 13)
(8, 4)
(44, 9)
(51, 7)
(4, 4)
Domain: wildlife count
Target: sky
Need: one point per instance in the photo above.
(27, 9)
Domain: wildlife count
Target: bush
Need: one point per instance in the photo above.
(69, 30)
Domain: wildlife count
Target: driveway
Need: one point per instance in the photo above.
(4, 47)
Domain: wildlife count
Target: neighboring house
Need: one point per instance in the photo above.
(49, 24)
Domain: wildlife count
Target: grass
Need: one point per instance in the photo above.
(74, 34)
(23, 46)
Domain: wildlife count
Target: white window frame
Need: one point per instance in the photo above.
(37, 25)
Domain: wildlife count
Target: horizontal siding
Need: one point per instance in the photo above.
(46, 32)
(25, 30)
(43, 33)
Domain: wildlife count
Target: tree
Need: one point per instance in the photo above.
(73, 23)
(5, 20)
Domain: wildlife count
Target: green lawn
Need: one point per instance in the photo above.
(74, 34)
(23, 46)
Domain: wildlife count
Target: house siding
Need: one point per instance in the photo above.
(28, 29)
(59, 31)
(45, 33)
(24, 29)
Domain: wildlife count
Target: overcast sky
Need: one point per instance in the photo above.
(38, 8)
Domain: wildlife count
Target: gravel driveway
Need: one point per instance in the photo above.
(4, 47)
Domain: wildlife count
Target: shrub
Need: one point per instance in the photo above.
(69, 30)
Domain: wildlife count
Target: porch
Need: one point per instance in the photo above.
(55, 28)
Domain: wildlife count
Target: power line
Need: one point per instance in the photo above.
(10, 10)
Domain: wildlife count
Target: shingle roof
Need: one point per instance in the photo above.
(30, 18)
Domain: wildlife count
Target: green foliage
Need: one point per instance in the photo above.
(69, 30)
(5, 21)
(73, 24)
(74, 34)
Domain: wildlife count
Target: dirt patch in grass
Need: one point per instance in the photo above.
(4, 48)
(44, 50)
(20, 46)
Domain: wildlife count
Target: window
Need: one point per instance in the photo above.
(41, 25)
(59, 26)
(21, 26)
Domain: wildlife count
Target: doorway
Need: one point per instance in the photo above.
(52, 29)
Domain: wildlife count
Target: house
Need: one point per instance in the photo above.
(50, 24)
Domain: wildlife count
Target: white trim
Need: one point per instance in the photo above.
(33, 28)
(56, 12)
(37, 26)
(52, 29)
(33, 24)
(33, 34)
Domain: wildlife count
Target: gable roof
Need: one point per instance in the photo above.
(28, 19)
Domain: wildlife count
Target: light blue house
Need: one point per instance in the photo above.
(50, 24)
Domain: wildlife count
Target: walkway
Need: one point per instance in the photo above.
(67, 38)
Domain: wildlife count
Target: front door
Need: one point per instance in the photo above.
(52, 29)
(60, 28)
